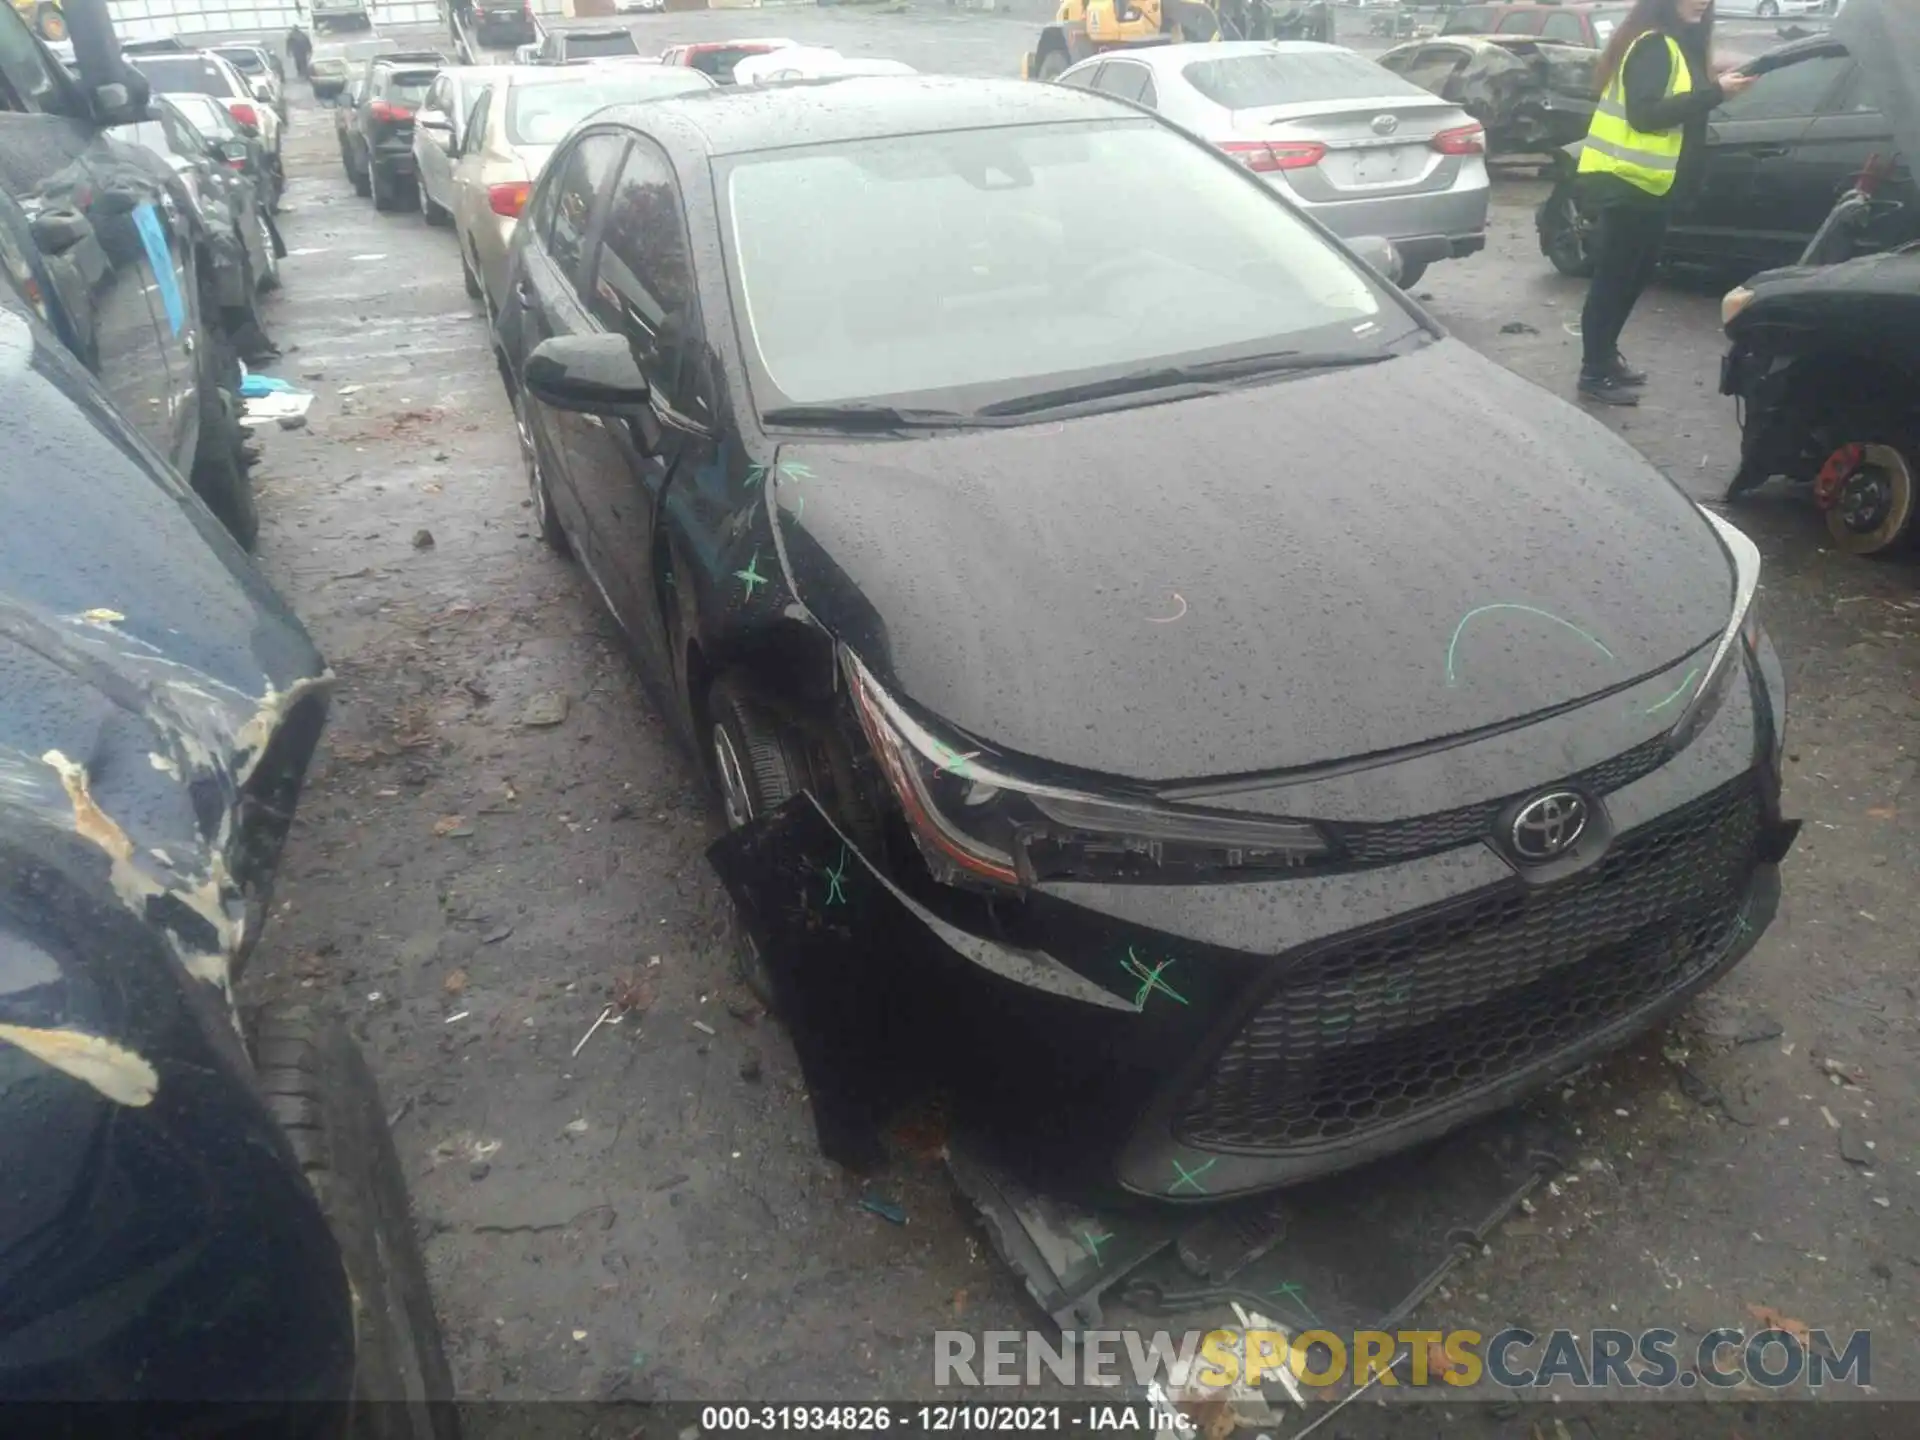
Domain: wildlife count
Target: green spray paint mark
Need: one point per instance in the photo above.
(785, 470)
(1291, 1291)
(1093, 1243)
(1191, 1177)
(1149, 978)
(751, 576)
(1466, 619)
(1660, 705)
(952, 762)
(836, 880)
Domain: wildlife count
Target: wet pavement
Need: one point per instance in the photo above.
(500, 843)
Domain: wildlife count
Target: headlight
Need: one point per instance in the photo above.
(974, 822)
(1742, 634)
(1733, 302)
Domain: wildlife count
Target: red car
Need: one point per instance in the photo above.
(716, 58)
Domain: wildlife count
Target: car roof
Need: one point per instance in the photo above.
(736, 120)
(1178, 57)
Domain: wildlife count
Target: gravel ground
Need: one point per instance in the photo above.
(646, 1215)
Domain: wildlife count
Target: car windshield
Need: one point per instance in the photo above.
(409, 85)
(1471, 20)
(990, 264)
(587, 47)
(543, 113)
(248, 62)
(192, 74)
(719, 63)
(1249, 82)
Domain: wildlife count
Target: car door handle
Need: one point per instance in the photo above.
(1770, 152)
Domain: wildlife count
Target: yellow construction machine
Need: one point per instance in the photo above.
(1086, 27)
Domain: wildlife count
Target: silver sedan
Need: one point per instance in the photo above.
(1360, 149)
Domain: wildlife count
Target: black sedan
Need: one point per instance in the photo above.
(1305, 733)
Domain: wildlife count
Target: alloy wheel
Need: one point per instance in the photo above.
(530, 456)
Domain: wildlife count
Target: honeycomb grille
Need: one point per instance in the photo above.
(1378, 1029)
(1379, 843)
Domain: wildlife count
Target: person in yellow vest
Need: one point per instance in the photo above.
(1657, 88)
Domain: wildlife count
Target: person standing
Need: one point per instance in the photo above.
(300, 50)
(1656, 91)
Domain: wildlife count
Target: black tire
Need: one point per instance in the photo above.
(544, 517)
(1876, 516)
(385, 186)
(1410, 273)
(268, 279)
(1767, 10)
(1566, 234)
(467, 277)
(219, 461)
(319, 1088)
(362, 182)
(1051, 64)
(434, 214)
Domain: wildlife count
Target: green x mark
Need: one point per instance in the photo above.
(751, 576)
(1191, 1177)
(1093, 1243)
(786, 469)
(836, 892)
(1149, 978)
(951, 761)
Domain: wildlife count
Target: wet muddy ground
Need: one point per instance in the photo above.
(500, 842)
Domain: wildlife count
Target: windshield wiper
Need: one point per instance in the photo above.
(1200, 378)
(863, 416)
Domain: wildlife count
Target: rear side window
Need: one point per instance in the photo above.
(587, 47)
(1564, 27)
(719, 63)
(1251, 82)
(191, 74)
(1516, 22)
(247, 62)
(1125, 81)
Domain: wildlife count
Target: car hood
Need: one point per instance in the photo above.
(1331, 566)
(158, 701)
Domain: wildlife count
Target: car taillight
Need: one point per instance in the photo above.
(510, 199)
(236, 164)
(1268, 155)
(386, 112)
(244, 113)
(1872, 173)
(1462, 140)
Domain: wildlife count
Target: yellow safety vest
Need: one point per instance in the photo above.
(1645, 158)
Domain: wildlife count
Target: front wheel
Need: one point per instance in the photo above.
(1410, 273)
(362, 181)
(1566, 233)
(1866, 485)
(1767, 10)
(433, 213)
(1051, 64)
(270, 274)
(543, 512)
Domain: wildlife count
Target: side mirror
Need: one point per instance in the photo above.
(590, 374)
(1380, 253)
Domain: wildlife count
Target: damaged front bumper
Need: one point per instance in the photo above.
(1196, 1043)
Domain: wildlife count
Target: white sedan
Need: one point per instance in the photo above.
(808, 62)
(1351, 143)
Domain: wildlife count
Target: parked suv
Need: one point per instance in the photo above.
(1573, 24)
(172, 70)
(504, 22)
(379, 137)
(610, 43)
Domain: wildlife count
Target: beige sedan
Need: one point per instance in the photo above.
(514, 124)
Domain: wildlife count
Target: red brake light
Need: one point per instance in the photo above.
(244, 113)
(386, 112)
(1463, 140)
(510, 199)
(1872, 173)
(1264, 156)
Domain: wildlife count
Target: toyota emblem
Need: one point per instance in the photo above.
(1385, 124)
(1548, 826)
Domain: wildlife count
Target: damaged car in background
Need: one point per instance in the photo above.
(1088, 737)
(202, 1207)
(1824, 356)
(1531, 96)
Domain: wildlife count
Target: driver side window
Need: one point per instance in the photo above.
(1789, 92)
(474, 132)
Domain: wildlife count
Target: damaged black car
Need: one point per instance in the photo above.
(1154, 677)
(1530, 96)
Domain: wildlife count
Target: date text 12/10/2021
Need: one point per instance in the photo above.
(914, 1419)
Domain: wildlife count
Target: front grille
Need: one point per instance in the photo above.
(1375, 1030)
(1382, 842)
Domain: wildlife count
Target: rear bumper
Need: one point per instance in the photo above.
(1422, 227)
(395, 156)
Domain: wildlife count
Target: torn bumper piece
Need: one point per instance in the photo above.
(1108, 1056)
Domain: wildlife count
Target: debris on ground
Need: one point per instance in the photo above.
(750, 1067)
(547, 708)
(631, 994)
(1762, 1027)
(605, 1015)
(1855, 1148)
(452, 827)
(704, 1028)
(455, 982)
(268, 400)
(887, 1210)
(479, 1169)
(423, 539)
(1771, 1319)
(1519, 327)
(1842, 1073)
